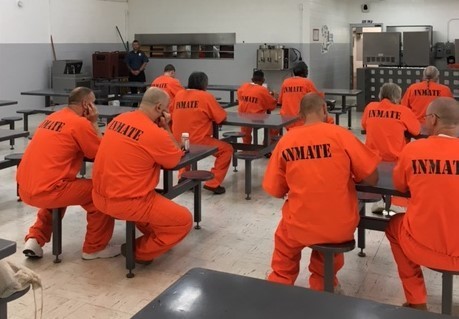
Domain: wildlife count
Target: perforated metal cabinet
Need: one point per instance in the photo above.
(370, 80)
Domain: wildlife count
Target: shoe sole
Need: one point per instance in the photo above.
(31, 254)
(93, 258)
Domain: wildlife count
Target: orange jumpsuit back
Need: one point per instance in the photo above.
(170, 85)
(125, 174)
(292, 91)
(255, 99)
(386, 124)
(193, 112)
(47, 176)
(419, 95)
(315, 166)
(427, 234)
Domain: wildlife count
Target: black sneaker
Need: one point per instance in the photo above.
(216, 190)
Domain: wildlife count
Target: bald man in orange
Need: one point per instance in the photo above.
(386, 122)
(419, 95)
(194, 112)
(135, 147)
(316, 166)
(47, 175)
(292, 91)
(254, 98)
(168, 83)
(427, 234)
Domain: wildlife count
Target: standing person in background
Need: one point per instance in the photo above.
(168, 83)
(136, 62)
(254, 98)
(419, 95)
(194, 112)
(292, 91)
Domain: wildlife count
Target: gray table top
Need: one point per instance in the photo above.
(208, 294)
(7, 248)
(105, 111)
(7, 102)
(342, 92)
(47, 92)
(123, 84)
(385, 185)
(196, 153)
(219, 87)
(258, 120)
(6, 135)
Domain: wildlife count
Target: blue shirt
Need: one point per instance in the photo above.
(135, 60)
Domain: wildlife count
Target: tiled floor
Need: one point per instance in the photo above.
(236, 237)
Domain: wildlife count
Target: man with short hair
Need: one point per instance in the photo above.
(419, 95)
(47, 175)
(292, 91)
(168, 83)
(316, 167)
(194, 112)
(386, 122)
(136, 61)
(254, 98)
(135, 147)
(427, 234)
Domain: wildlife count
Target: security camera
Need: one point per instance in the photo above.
(365, 7)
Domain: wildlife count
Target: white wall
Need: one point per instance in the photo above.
(410, 12)
(69, 21)
(255, 21)
(79, 27)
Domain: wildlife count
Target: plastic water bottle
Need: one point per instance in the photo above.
(186, 141)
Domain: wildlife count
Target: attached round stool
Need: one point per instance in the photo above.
(4, 301)
(10, 120)
(329, 251)
(446, 290)
(198, 177)
(16, 159)
(232, 138)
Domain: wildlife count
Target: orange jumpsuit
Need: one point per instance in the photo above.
(292, 91)
(193, 112)
(170, 85)
(125, 174)
(419, 95)
(47, 176)
(315, 166)
(254, 99)
(427, 234)
(386, 124)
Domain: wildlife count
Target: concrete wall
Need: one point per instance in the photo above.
(78, 28)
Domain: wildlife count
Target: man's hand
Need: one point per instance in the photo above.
(135, 72)
(91, 113)
(164, 120)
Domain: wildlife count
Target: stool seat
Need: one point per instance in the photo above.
(12, 118)
(14, 156)
(15, 296)
(454, 273)
(368, 197)
(334, 248)
(233, 134)
(248, 155)
(198, 175)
